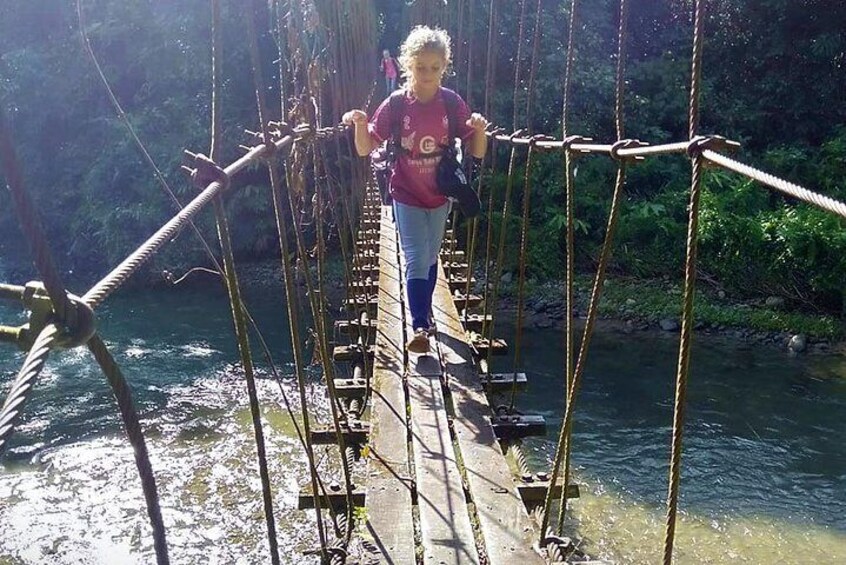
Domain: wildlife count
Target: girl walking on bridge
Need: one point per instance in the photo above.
(416, 120)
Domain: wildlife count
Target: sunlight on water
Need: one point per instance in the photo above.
(616, 528)
(763, 480)
(82, 502)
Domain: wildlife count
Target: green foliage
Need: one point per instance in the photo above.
(773, 78)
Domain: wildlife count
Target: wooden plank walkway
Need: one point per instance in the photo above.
(505, 526)
(420, 454)
(389, 484)
(445, 528)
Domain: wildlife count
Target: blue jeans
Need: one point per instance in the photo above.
(421, 235)
(390, 84)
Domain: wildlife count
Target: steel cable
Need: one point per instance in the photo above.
(563, 447)
(685, 339)
(123, 395)
(490, 302)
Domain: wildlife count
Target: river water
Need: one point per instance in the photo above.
(764, 469)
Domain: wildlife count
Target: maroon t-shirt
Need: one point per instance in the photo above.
(424, 129)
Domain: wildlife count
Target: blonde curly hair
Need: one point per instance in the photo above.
(424, 39)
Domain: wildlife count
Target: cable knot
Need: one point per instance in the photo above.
(626, 144)
(337, 554)
(77, 325)
(702, 143)
(515, 134)
(205, 171)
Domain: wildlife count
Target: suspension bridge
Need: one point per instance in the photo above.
(440, 471)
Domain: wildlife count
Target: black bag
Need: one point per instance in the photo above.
(450, 176)
(453, 182)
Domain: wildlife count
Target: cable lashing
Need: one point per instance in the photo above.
(527, 191)
(347, 450)
(286, 263)
(167, 189)
(491, 158)
(453, 243)
(563, 447)
(570, 237)
(318, 316)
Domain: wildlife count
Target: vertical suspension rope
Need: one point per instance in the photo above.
(685, 339)
(571, 199)
(490, 157)
(490, 305)
(316, 302)
(238, 317)
(563, 448)
(569, 333)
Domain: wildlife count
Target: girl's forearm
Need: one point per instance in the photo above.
(363, 141)
(479, 144)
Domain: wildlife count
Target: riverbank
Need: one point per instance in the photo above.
(631, 305)
(628, 305)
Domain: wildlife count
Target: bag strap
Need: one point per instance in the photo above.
(451, 103)
(395, 107)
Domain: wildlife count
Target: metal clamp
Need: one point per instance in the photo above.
(702, 143)
(204, 171)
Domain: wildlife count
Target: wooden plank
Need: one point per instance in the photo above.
(500, 346)
(337, 497)
(518, 426)
(354, 328)
(446, 532)
(356, 432)
(473, 322)
(350, 352)
(505, 526)
(502, 382)
(389, 526)
(534, 492)
(457, 282)
(463, 302)
(454, 255)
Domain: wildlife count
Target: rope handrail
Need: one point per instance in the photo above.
(785, 187)
(120, 274)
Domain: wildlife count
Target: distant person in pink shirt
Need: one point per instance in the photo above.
(418, 115)
(390, 68)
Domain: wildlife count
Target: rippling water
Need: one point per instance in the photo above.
(764, 469)
(69, 491)
(764, 464)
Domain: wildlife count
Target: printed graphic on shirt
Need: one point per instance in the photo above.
(407, 141)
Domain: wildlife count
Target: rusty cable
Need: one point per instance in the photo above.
(685, 338)
(504, 217)
(563, 447)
